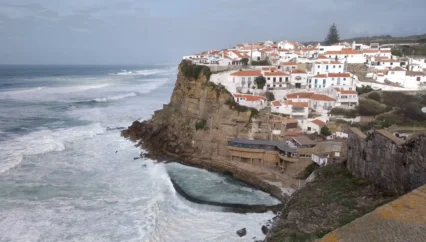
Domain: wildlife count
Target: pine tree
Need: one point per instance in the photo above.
(333, 35)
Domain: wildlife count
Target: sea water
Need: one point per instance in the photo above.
(67, 175)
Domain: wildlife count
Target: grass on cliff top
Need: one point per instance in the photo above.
(332, 200)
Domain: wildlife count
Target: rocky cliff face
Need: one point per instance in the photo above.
(197, 122)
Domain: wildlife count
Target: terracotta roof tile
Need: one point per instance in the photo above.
(300, 95)
(276, 73)
(339, 75)
(322, 97)
(290, 63)
(348, 92)
(318, 122)
(247, 73)
(300, 104)
(321, 76)
(298, 71)
(415, 73)
(322, 57)
(276, 103)
(249, 98)
(337, 89)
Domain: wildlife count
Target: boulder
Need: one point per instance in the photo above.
(265, 229)
(242, 232)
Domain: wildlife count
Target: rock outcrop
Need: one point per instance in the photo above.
(197, 122)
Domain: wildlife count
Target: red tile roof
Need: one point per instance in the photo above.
(398, 69)
(276, 73)
(292, 133)
(343, 52)
(349, 92)
(318, 122)
(289, 63)
(322, 97)
(321, 76)
(247, 73)
(323, 57)
(249, 98)
(415, 73)
(300, 104)
(300, 95)
(339, 75)
(298, 71)
(276, 103)
(337, 89)
(370, 51)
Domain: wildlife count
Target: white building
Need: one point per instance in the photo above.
(276, 79)
(330, 79)
(325, 67)
(245, 78)
(345, 98)
(286, 45)
(321, 160)
(299, 78)
(348, 55)
(288, 66)
(252, 101)
(296, 110)
(322, 103)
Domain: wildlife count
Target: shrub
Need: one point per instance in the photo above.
(245, 61)
(191, 70)
(389, 119)
(260, 82)
(363, 89)
(270, 96)
(397, 99)
(260, 63)
(368, 107)
(325, 131)
(412, 111)
(375, 96)
(200, 124)
(347, 113)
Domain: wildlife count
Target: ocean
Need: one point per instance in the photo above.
(67, 175)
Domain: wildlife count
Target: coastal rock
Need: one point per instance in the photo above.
(265, 229)
(242, 232)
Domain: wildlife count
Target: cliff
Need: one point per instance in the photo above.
(197, 122)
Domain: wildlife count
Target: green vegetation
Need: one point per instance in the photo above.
(332, 36)
(325, 131)
(332, 200)
(241, 109)
(260, 63)
(405, 50)
(307, 171)
(375, 96)
(200, 124)
(245, 61)
(270, 96)
(364, 89)
(347, 113)
(260, 81)
(369, 107)
(193, 71)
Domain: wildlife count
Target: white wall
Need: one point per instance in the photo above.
(319, 161)
(327, 68)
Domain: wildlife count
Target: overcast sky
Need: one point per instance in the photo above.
(158, 31)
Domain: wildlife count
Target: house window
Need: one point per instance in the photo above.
(316, 81)
(318, 66)
(274, 85)
(286, 79)
(339, 66)
(391, 63)
(281, 79)
(418, 78)
(344, 79)
(274, 79)
(269, 78)
(334, 66)
(280, 85)
(332, 79)
(323, 82)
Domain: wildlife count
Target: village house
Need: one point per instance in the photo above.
(295, 110)
(325, 67)
(244, 78)
(281, 126)
(299, 78)
(313, 126)
(288, 66)
(346, 54)
(286, 45)
(276, 80)
(322, 103)
(347, 99)
(330, 79)
(252, 101)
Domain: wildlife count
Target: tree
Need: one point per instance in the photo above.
(325, 131)
(332, 36)
(270, 96)
(245, 61)
(375, 96)
(260, 82)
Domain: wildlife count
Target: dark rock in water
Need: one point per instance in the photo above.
(116, 151)
(136, 158)
(144, 166)
(242, 232)
(265, 229)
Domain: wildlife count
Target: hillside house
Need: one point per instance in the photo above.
(295, 110)
(330, 79)
(244, 78)
(252, 101)
(299, 78)
(325, 67)
(276, 80)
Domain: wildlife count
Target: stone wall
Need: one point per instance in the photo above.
(388, 161)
